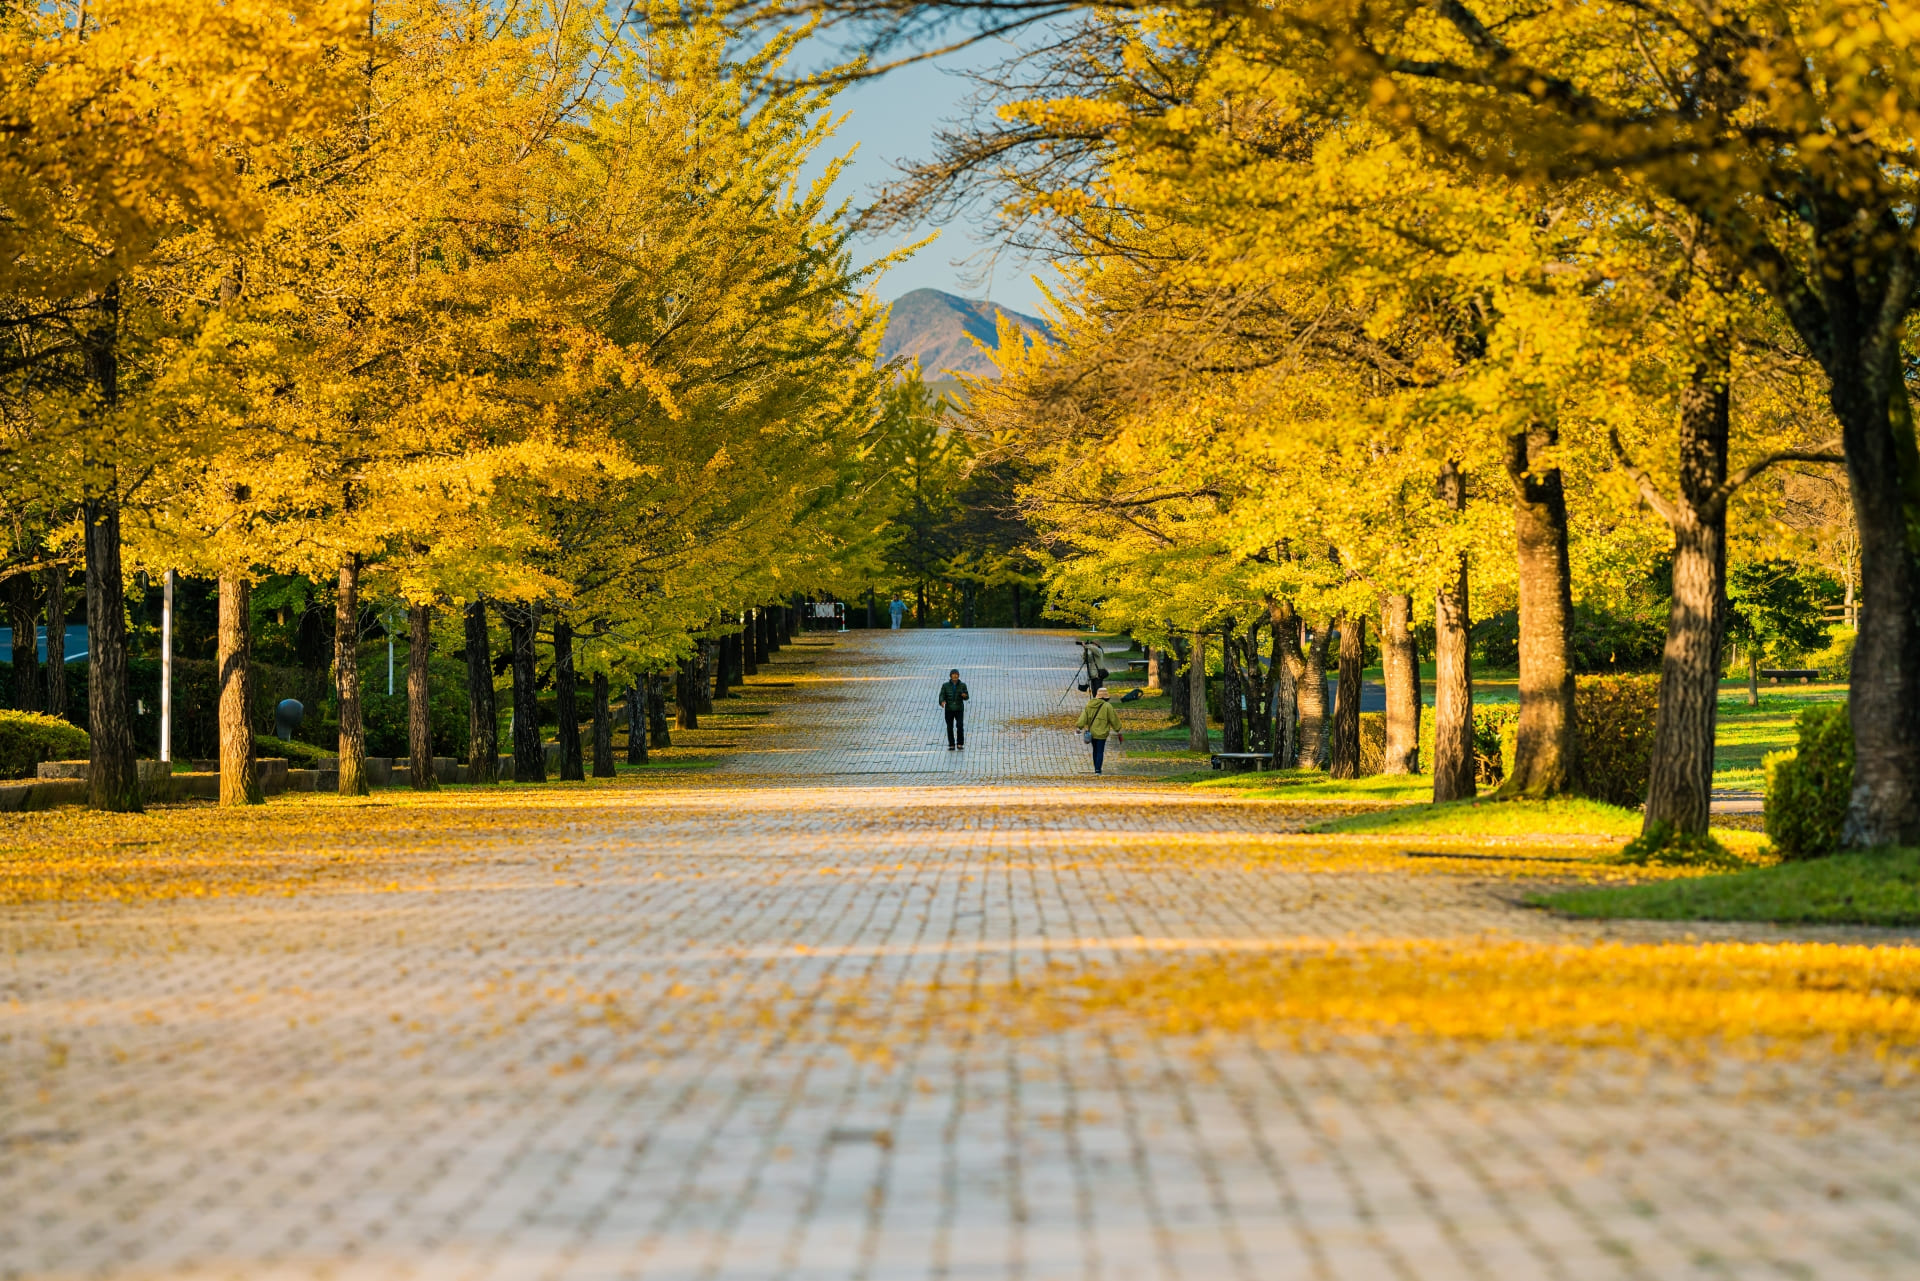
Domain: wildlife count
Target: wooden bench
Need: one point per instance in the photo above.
(1136, 664)
(1218, 759)
(1801, 674)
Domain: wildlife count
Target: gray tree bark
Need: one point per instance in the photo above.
(1454, 768)
(483, 735)
(566, 700)
(523, 633)
(419, 699)
(346, 662)
(239, 772)
(1197, 737)
(1400, 663)
(1546, 740)
(1344, 759)
(602, 728)
(57, 641)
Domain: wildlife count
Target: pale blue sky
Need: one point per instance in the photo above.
(894, 119)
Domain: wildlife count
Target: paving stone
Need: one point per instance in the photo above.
(702, 1039)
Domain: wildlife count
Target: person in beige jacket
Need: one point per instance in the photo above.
(1098, 720)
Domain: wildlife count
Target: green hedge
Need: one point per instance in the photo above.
(1808, 787)
(27, 738)
(1613, 716)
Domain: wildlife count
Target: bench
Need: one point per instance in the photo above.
(1218, 759)
(1136, 664)
(1801, 674)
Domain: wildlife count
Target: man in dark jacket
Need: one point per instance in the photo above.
(953, 701)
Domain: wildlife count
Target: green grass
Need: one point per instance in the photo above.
(1746, 734)
(1561, 816)
(1309, 784)
(1875, 887)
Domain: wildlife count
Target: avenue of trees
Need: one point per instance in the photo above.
(1376, 312)
(512, 323)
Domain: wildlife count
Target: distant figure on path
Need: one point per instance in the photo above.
(1098, 719)
(899, 611)
(953, 701)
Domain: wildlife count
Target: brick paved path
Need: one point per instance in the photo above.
(711, 1034)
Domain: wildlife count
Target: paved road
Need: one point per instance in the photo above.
(723, 1029)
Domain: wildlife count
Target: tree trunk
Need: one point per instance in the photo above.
(1545, 741)
(239, 774)
(722, 666)
(1454, 768)
(346, 663)
(483, 742)
(1400, 661)
(705, 660)
(637, 721)
(1753, 675)
(770, 628)
(1156, 660)
(23, 610)
(420, 699)
(565, 696)
(1197, 738)
(113, 782)
(1680, 784)
(57, 641)
(1856, 331)
(1233, 720)
(1310, 691)
(1016, 603)
(686, 691)
(659, 731)
(1344, 761)
(1176, 683)
(749, 656)
(1286, 706)
(602, 728)
(523, 634)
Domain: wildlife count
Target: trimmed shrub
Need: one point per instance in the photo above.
(1808, 787)
(299, 755)
(1488, 724)
(1373, 742)
(27, 738)
(1835, 662)
(1614, 716)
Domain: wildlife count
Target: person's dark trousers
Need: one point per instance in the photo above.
(956, 726)
(1099, 753)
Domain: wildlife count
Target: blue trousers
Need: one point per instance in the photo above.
(1099, 753)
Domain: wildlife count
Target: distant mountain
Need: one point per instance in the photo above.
(940, 328)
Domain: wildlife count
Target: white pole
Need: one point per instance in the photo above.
(166, 669)
(389, 662)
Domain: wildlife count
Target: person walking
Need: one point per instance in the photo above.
(899, 611)
(1099, 719)
(953, 701)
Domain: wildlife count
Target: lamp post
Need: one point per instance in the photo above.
(166, 669)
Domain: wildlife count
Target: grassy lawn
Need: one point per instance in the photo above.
(1749, 733)
(1880, 887)
(1562, 816)
(1311, 785)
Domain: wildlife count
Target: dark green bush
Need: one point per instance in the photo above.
(1493, 728)
(1373, 742)
(1603, 640)
(1614, 716)
(27, 738)
(1808, 787)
